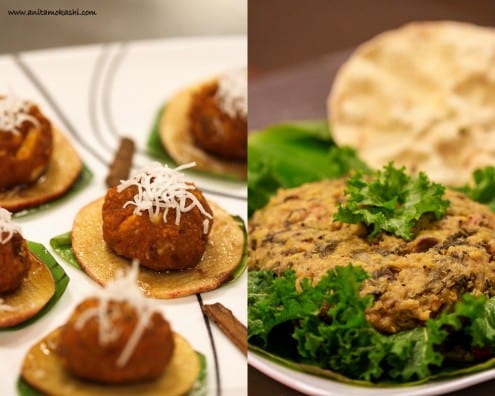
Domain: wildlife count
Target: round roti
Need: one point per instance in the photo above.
(422, 96)
(178, 142)
(63, 170)
(36, 289)
(42, 370)
(221, 258)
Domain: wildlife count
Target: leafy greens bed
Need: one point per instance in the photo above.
(322, 328)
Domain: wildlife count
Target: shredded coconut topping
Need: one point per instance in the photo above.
(123, 288)
(13, 112)
(232, 93)
(160, 187)
(7, 227)
(6, 307)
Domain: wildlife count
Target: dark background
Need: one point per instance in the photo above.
(285, 32)
(295, 48)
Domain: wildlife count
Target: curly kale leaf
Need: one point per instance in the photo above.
(391, 201)
(483, 190)
(327, 324)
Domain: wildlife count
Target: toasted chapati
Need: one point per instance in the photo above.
(43, 370)
(221, 258)
(422, 96)
(63, 170)
(178, 141)
(36, 289)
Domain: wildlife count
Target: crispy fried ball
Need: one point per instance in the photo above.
(158, 245)
(26, 151)
(213, 129)
(14, 263)
(85, 356)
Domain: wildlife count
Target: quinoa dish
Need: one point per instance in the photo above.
(411, 281)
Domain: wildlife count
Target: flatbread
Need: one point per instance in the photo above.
(42, 370)
(178, 142)
(36, 289)
(220, 260)
(63, 170)
(422, 96)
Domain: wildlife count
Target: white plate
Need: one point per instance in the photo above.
(314, 385)
(95, 94)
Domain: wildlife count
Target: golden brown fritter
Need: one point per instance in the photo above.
(157, 245)
(14, 263)
(84, 355)
(411, 281)
(25, 152)
(213, 129)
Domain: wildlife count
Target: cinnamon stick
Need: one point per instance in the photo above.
(122, 163)
(229, 324)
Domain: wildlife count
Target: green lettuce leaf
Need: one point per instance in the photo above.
(323, 328)
(391, 201)
(289, 155)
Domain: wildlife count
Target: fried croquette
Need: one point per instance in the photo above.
(93, 350)
(157, 244)
(14, 254)
(26, 143)
(14, 261)
(213, 128)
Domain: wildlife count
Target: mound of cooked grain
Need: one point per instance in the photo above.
(411, 281)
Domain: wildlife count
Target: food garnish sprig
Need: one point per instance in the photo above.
(391, 201)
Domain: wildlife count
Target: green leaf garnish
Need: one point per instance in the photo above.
(288, 155)
(62, 245)
(244, 258)
(24, 389)
(59, 276)
(483, 190)
(391, 201)
(200, 387)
